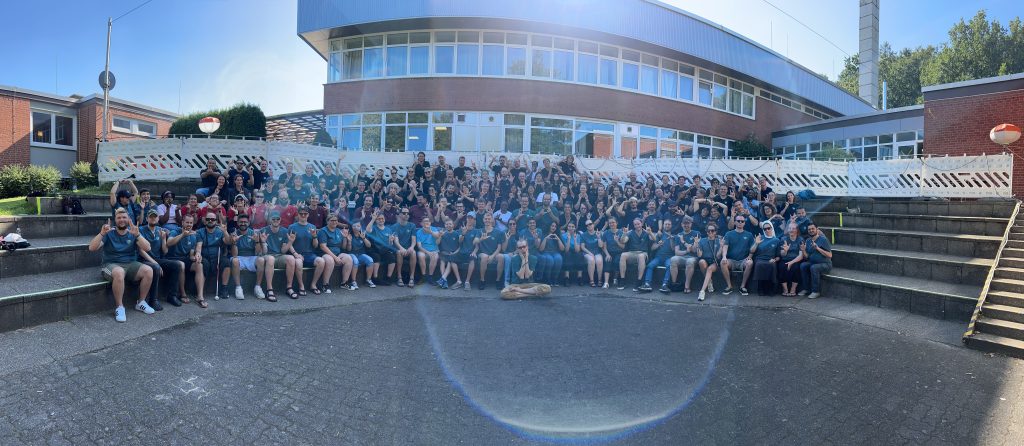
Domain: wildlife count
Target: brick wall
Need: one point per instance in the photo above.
(956, 126)
(526, 96)
(15, 122)
(90, 127)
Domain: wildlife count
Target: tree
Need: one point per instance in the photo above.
(976, 49)
(834, 153)
(239, 120)
(750, 148)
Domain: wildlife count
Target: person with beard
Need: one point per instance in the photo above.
(212, 243)
(122, 199)
(332, 239)
(402, 234)
(738, 245)
(162, 268)
(818, 252)
(685, 253)
(167, 211)
(276, 237)
(120, 249)
(302, 245)
(247, 253)
(489, 244)
(637, 244)
(180, 248)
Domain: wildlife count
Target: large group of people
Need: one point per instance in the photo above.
(510, 222)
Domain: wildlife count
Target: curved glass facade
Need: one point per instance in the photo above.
(414, 131)
(483, 53)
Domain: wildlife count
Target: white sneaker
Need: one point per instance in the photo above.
(814, 295)
(370, 283)
(605, 286)
(144, 307)
(802, 293)
(700, 296)
(352, 286)
(239, 294)
(466, 285)
(711, 288)
(258, 292)
(119, 314)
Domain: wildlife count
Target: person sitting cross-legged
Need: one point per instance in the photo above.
(121, 246)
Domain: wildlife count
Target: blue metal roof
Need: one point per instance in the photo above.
(644, 20)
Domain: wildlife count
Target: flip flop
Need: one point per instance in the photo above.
(291, 293)
(202, 303)
(270, 296)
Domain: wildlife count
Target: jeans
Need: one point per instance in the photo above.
(552, 265)
(508, 266)
(810, 274)
(361, 260)
(654, 263)
(167, 270)
(203, 191)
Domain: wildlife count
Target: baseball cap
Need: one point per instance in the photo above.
(303, 209)
(152, 212)
(240, 197)
(275, 214)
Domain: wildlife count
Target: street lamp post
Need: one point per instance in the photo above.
(105, 81)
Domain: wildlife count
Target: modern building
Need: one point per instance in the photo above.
(603, 78)
(47, 129)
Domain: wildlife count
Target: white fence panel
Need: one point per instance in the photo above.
(156, 159)
(954, 177)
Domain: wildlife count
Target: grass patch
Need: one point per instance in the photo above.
(16, 206)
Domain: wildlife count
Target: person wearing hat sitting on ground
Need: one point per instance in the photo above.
(766, 255)
(122, 199)
(167, 212)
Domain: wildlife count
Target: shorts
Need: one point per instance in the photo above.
(361, 260)
(612, 266)
(447, 256)
(678, 261)
(130, 270)
(281, 260)
(736, 265)
(461, 257)
(309, 259)
(247, 263)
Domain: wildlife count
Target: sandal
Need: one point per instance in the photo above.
(291, 293)
(302, 291)
(202, 303)
(315, 290)
(184, 299)
(687, 291)
(270, 296)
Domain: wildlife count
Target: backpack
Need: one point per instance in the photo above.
(12, 242)
(72, 206)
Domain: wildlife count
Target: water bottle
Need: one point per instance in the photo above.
(18, 231)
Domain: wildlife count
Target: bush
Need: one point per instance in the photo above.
(83, 175)
(834, 154)
(239, 120)
(750, 148)
(17, 180)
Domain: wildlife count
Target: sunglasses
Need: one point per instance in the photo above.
(711, 230)
(210, 219)
(275, 218)
(741, 221)
(405, 213)
(522, 247)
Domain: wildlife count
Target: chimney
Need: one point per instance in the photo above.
(868, 69)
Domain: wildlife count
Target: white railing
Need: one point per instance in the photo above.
(954, 177)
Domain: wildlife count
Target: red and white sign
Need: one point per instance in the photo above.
(1004, 134)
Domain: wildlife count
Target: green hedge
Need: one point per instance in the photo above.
(83, 175)
(17, 180)
(239, 120)
(750, 148)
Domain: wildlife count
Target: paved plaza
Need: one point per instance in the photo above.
(394, 366)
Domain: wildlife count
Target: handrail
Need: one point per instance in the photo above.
(991, 273)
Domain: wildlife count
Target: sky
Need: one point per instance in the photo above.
(192, 55)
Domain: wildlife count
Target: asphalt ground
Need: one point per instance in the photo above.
(394, 366)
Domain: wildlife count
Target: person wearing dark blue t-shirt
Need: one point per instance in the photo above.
(789, 265)
(638, 242)
(818, 252)
(403, 233)
(739, 248)
(663, 251)
(489, 250)
(685, 253)
(766, 254)
(120, 248)
(614, 240)
(591, 243)
(303, 243)
(551, 248)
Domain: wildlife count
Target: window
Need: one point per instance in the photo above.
(704, 93)
(686, 88)
(398, 57)
(468, 59)
(373, 62)
(609, 72)
(563, 65)
(649, 79)
(718, 99)
(444, 59)
(494, 60)
(352, 61)
(419, 60)
(551, 136)
(587, 69)
(54, 130)
(515, 65)
(541, 63)
(669, 84)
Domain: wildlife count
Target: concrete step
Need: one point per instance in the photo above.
(1011, 263)
(965, 208)
(1016, 244)
(921, 223)
(1012, 253)
(1004, 312)
(938, 267)
(978, 246)
(1011, 285)
(996, 344)
(1003, 272)
(1005, 298)
(1017, 228)
(940, 300)
(45, 226)
(999, 327)
(48, 255)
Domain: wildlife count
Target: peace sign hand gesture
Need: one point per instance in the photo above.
(105, 228)
(134, 230)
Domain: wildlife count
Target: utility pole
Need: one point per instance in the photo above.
(106, 81)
